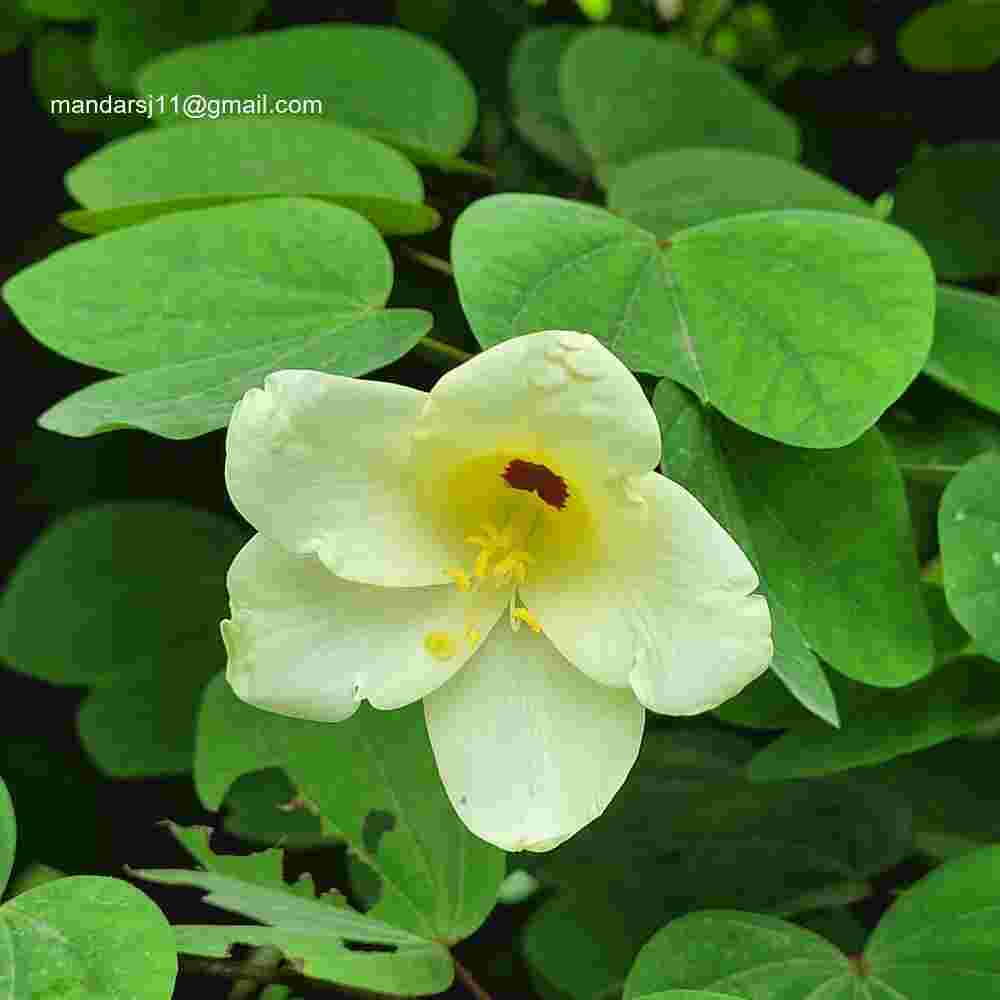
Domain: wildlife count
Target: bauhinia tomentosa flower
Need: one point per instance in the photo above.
(500, 547)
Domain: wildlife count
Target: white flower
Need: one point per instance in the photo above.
(500, 547)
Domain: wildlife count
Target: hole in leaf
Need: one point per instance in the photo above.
(377, 823)
(368, 946)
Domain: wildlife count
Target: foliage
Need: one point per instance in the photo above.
(811, 310)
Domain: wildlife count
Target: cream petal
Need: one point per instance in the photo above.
(556, 393)
(323, 464)
(668, 607)
(530, 750)
(305, 643)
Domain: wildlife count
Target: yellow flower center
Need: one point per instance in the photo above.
(522, 519)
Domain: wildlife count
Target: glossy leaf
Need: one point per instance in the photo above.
(389, 82)
(303, 287)
(969, 529)
(667, 192)
(628, 93)
(85, 936)
(138, 590)
(534, 92)
(383, 795)
(953, 35)
(752, 955)
(830, 535)
(948, 199)
(720, 309)
(200, 164)
(879, 725)
(694, 458)
(967, 345)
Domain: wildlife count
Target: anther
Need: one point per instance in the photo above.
(440, 645)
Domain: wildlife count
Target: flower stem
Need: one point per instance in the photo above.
(441, 353)
(469, 981)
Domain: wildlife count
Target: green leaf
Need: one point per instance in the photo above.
(950, 36)
(969, 529)
(752, 955)
(85, 937)
(416, 968)
(388, 215)
(610, 80)
(8, 836)
(940, 936)
(201, 164)
(720, 310)
(829, 533)
(534, 91)
(694, 459)
(948, 199)
(966, 345)
(934, 441)
(689, 823)
(281, 907)
(382, 795)
(382, 80)
(138, 590)
(303, 285)
(878, 725)
(129, 35)
(953, 796)
(261, 868)
(261, 807)
(667, 192)
(62, 10)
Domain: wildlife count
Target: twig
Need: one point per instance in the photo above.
(469, 981)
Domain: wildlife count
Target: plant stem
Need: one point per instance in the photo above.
(441, 353)
(469, 981)
(428, 260)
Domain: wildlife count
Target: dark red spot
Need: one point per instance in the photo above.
(538, 479)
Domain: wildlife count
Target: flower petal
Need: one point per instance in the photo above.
(667, 608)
(529, 749)
(321, 464)
(555, 393)
(305, 643)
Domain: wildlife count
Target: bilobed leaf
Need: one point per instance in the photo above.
(752, 955)
(948, 199)
(967, 345)
(416, 968)
(138, 590)
(199, 306)
(383, 80)
(694, 458)
(940, 935)
(8, 836)
(829, 533)
(878, 725)
(969, 529)
(389, 215)
(373, 780)
(184, 400)
(534, 91)
(952, 35)
(200, 164)
(85, 936)
(627, 94)
(802, 326)
(689, 823)
(670, 191)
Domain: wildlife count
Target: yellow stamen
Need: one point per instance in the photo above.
(440, 645)
(524, 615)
(472, 635)
(461, 578)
